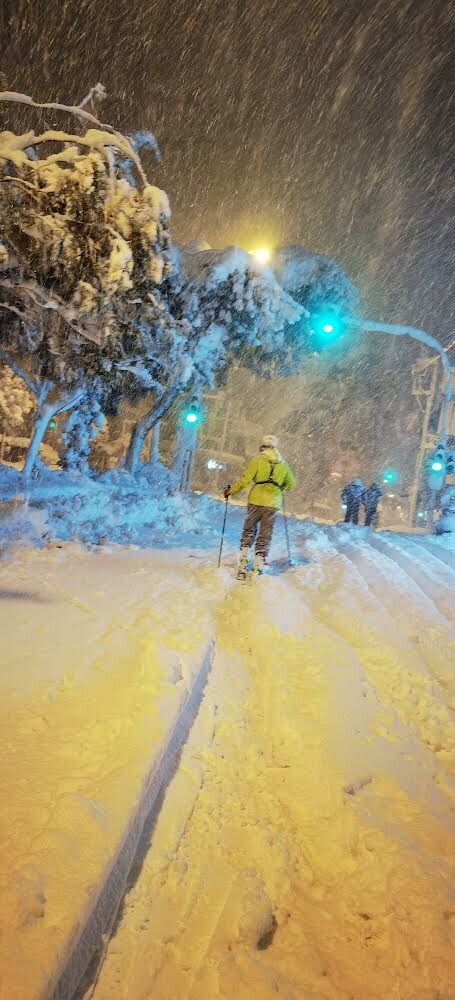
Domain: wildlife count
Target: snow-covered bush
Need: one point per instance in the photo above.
(21, 525)
(80, 428)
(125, 510)
(446, 523)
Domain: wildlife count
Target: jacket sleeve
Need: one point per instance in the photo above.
(344, 495)
(289, 479)
(246, 479)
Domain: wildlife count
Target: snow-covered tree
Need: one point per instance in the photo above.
(225, 308)
(15, 399)
(317, 282)
(82, 241)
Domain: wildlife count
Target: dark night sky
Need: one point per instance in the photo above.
(324, 122)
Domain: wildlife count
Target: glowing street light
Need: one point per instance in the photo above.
(262, 254)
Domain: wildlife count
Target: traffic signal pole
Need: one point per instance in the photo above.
(397, 330)
(422, 447)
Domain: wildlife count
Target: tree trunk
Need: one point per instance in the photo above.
(147, 423)
(155, 444)
(39, 429)
(44, 412)
(182, 465)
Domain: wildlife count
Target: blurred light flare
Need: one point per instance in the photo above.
(262, 254)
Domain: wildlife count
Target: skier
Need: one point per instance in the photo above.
(351, 496)
(269, 476)
(370, 500)
(446, 523)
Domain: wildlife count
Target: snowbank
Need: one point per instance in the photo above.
(115, 507)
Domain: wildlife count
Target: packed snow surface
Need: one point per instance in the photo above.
(305, 846)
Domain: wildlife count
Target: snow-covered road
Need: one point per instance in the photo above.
(305, 847)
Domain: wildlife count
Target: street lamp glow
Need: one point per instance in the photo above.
(262, 254)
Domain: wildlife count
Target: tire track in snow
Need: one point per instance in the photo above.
(405, 692)
(431, 544)
(438, 587)
(408, 606)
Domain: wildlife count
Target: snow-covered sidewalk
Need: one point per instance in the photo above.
(100, 653)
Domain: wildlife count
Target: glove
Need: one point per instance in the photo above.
(227, 492)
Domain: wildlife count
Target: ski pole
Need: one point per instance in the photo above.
(286, 532)
(222, 533)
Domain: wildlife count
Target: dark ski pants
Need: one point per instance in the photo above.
(369, 515)
(352, 513)
(262, 518)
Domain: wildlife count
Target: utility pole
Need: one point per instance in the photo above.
(429, 393)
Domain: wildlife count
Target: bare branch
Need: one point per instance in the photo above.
(97, 91)
(11, 96)
(44, 300)
(20, 180)
(70, 401)
(13, 309)
(18, 370)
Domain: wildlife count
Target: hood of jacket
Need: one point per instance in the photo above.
(271, 454)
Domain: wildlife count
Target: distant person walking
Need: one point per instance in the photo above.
(269, 475)
(370, 500)
(352, 496)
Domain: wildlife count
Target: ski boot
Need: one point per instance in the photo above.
(260, 567)
(242, 571)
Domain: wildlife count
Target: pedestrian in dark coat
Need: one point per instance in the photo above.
(370, 501)
(352, 496)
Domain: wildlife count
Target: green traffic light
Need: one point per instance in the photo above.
(437, 465)
(326, 324)
(389, 476)
(191, 416)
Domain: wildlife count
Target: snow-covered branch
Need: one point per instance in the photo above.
(44, 300)
(79, 111)
(111, 137)
(98, 91)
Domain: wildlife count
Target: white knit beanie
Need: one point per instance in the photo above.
(269, 441)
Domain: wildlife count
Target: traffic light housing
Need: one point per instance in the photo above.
(450, 464)
(437, 469)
